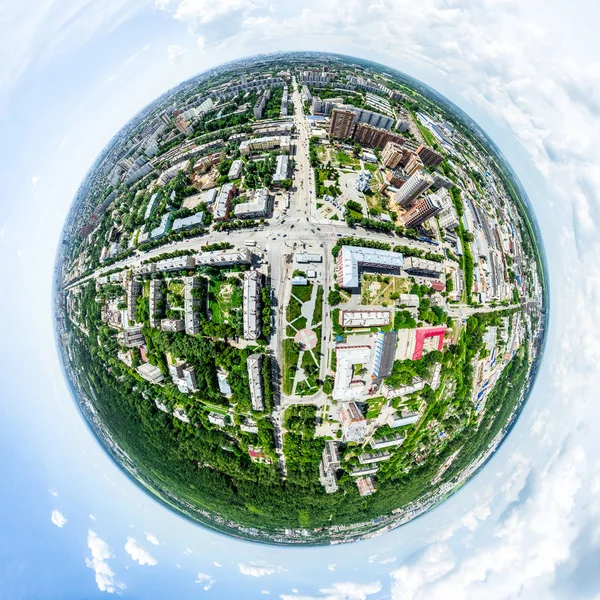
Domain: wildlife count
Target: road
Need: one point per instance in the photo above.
(463, 311)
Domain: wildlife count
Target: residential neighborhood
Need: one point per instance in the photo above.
(310, 280)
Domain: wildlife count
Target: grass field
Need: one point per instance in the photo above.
(318, 312)
(346, 160)
(374, 290)
(374, 407)
(294, 309)
(290, 362)
(302, 292)
(224, 297)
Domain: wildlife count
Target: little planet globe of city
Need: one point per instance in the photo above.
(301, 298)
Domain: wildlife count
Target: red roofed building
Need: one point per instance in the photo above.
(438, 286)
(424, 334)
(143, 354)
(257, 455)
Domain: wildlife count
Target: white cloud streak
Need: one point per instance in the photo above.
(139, 554)
(259, 569)
(341, 591)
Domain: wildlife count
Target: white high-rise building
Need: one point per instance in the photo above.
(414, 187)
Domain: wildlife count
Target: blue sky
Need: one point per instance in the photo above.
(73, 72)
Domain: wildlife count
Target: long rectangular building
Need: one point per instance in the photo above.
(224, 257)
(254, 364)
(191, 305)
(265, 143)
(223, 201)
(364, 318)
(155, 297)
(251, 305)
(352, 258)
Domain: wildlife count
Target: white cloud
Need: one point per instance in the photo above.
(341, 591)
(152, 539)
(206, 579)
(161, 4)
(265, 592)
(139, 554)
(58, 519)
(105, 578)
(175, 53)
(92, 518)
(332, 566)
(54, 28)
(524, 551)
(55, 494)
(205, 11)
(187, 551)
(259, 569)
(218, 565)
(34, 181)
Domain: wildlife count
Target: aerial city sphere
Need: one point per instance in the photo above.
(301, 298)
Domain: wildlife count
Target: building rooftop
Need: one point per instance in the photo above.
(351, 258)
(257, 206)
(186, 222)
